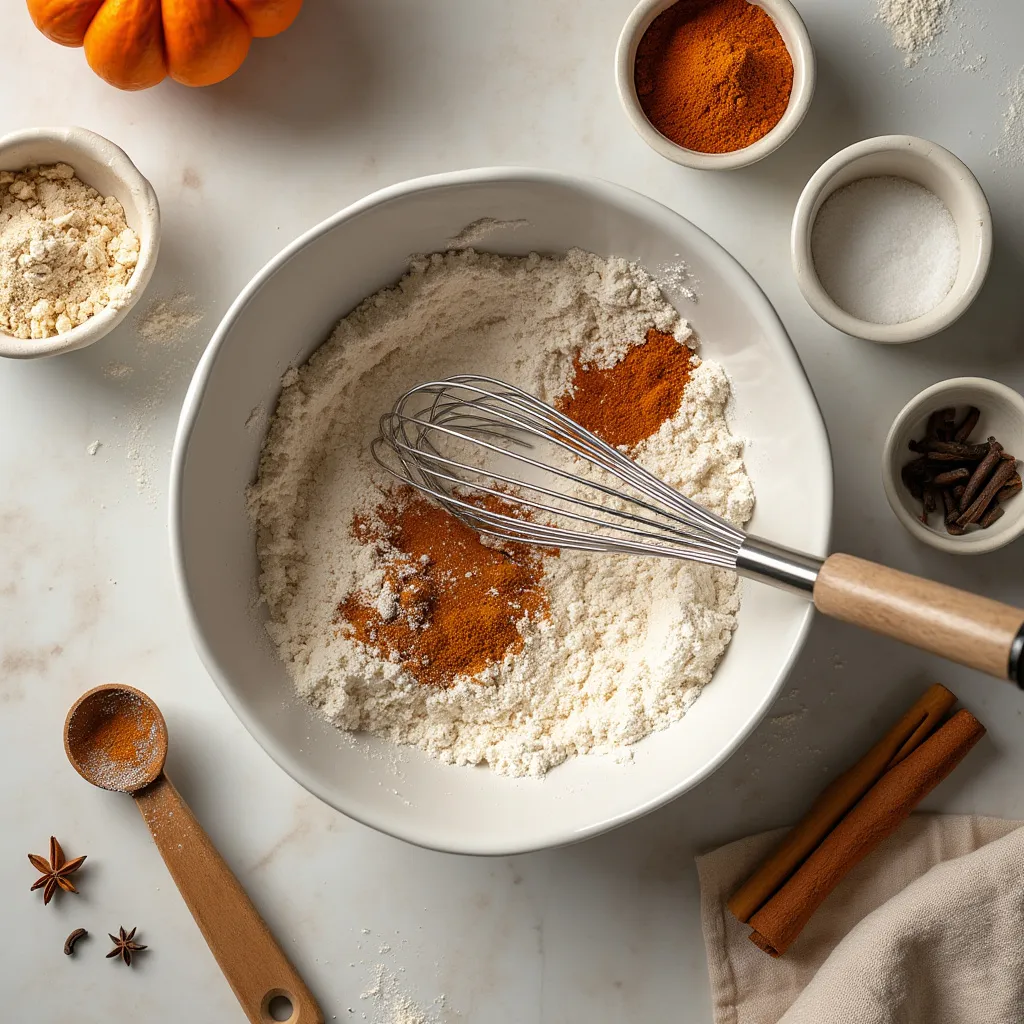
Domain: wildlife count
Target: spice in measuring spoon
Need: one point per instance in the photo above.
(713, 76)
(117, 739)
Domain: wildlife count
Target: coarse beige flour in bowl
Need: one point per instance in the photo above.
(598, 650)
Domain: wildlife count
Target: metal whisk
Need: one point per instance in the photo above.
(512, 467)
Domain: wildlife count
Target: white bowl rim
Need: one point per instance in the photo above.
(189, 414)
(811, 288)
(104, 151)
(796, 110)
(979, 545)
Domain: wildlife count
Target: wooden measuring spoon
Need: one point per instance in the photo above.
(116, 738)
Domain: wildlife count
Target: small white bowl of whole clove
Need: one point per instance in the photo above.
(951, 471)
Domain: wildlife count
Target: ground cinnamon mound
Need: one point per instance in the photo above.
(628, 402)
(713, 75)
(458, 601)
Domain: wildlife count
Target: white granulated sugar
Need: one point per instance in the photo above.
(627, 644)
(914, 24)
(885, 249)
(66, 252)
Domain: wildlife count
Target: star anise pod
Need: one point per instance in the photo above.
(55, 871)
(123, 946)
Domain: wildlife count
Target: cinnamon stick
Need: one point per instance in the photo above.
(878, 814)
(906, 735)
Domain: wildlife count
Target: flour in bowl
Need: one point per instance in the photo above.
(584, 653)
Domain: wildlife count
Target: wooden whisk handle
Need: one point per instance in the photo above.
(963, 627)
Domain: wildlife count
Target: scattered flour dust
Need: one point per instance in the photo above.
(627, 643)
(914, 24)
(118, 371)
(391, 1005)
(677, 277)
(169, 321)
(164, 354)
(1011, 142)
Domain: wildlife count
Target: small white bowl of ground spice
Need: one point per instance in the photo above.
(79, 235)
(715, 84)
(892, 239)
(951, 465)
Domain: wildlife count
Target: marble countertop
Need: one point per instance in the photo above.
(357, 95)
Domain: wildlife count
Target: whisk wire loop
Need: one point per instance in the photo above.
(448, 439)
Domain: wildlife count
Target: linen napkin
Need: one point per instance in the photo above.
(929, 927)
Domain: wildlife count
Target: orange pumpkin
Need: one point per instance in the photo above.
(134, 44)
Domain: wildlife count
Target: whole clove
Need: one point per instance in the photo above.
(966, 428)
(930, 503)
(982, 473)
(69, 942)
(951, 476)
(940, 424)
(966, 482)
(938, 450)
(952, 512)
(914, 474)
(1010, 488)
(994, 513)
(977, 507)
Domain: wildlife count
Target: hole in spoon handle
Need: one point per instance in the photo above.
(280, 1006)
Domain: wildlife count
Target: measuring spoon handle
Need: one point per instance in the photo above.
(251, 960)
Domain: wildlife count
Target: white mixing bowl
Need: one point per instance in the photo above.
(289, 309)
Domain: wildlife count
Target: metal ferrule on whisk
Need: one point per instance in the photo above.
(778, 566)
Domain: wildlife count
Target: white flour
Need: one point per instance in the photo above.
(913, 24)
(1011, 142)
(628, 643)
(392, 1005)
(65, 252)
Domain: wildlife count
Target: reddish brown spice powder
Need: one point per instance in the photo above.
(713, 75)
(459, 610)
(628, 402)
(119, 738)
(459, 601)
(116, 738)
